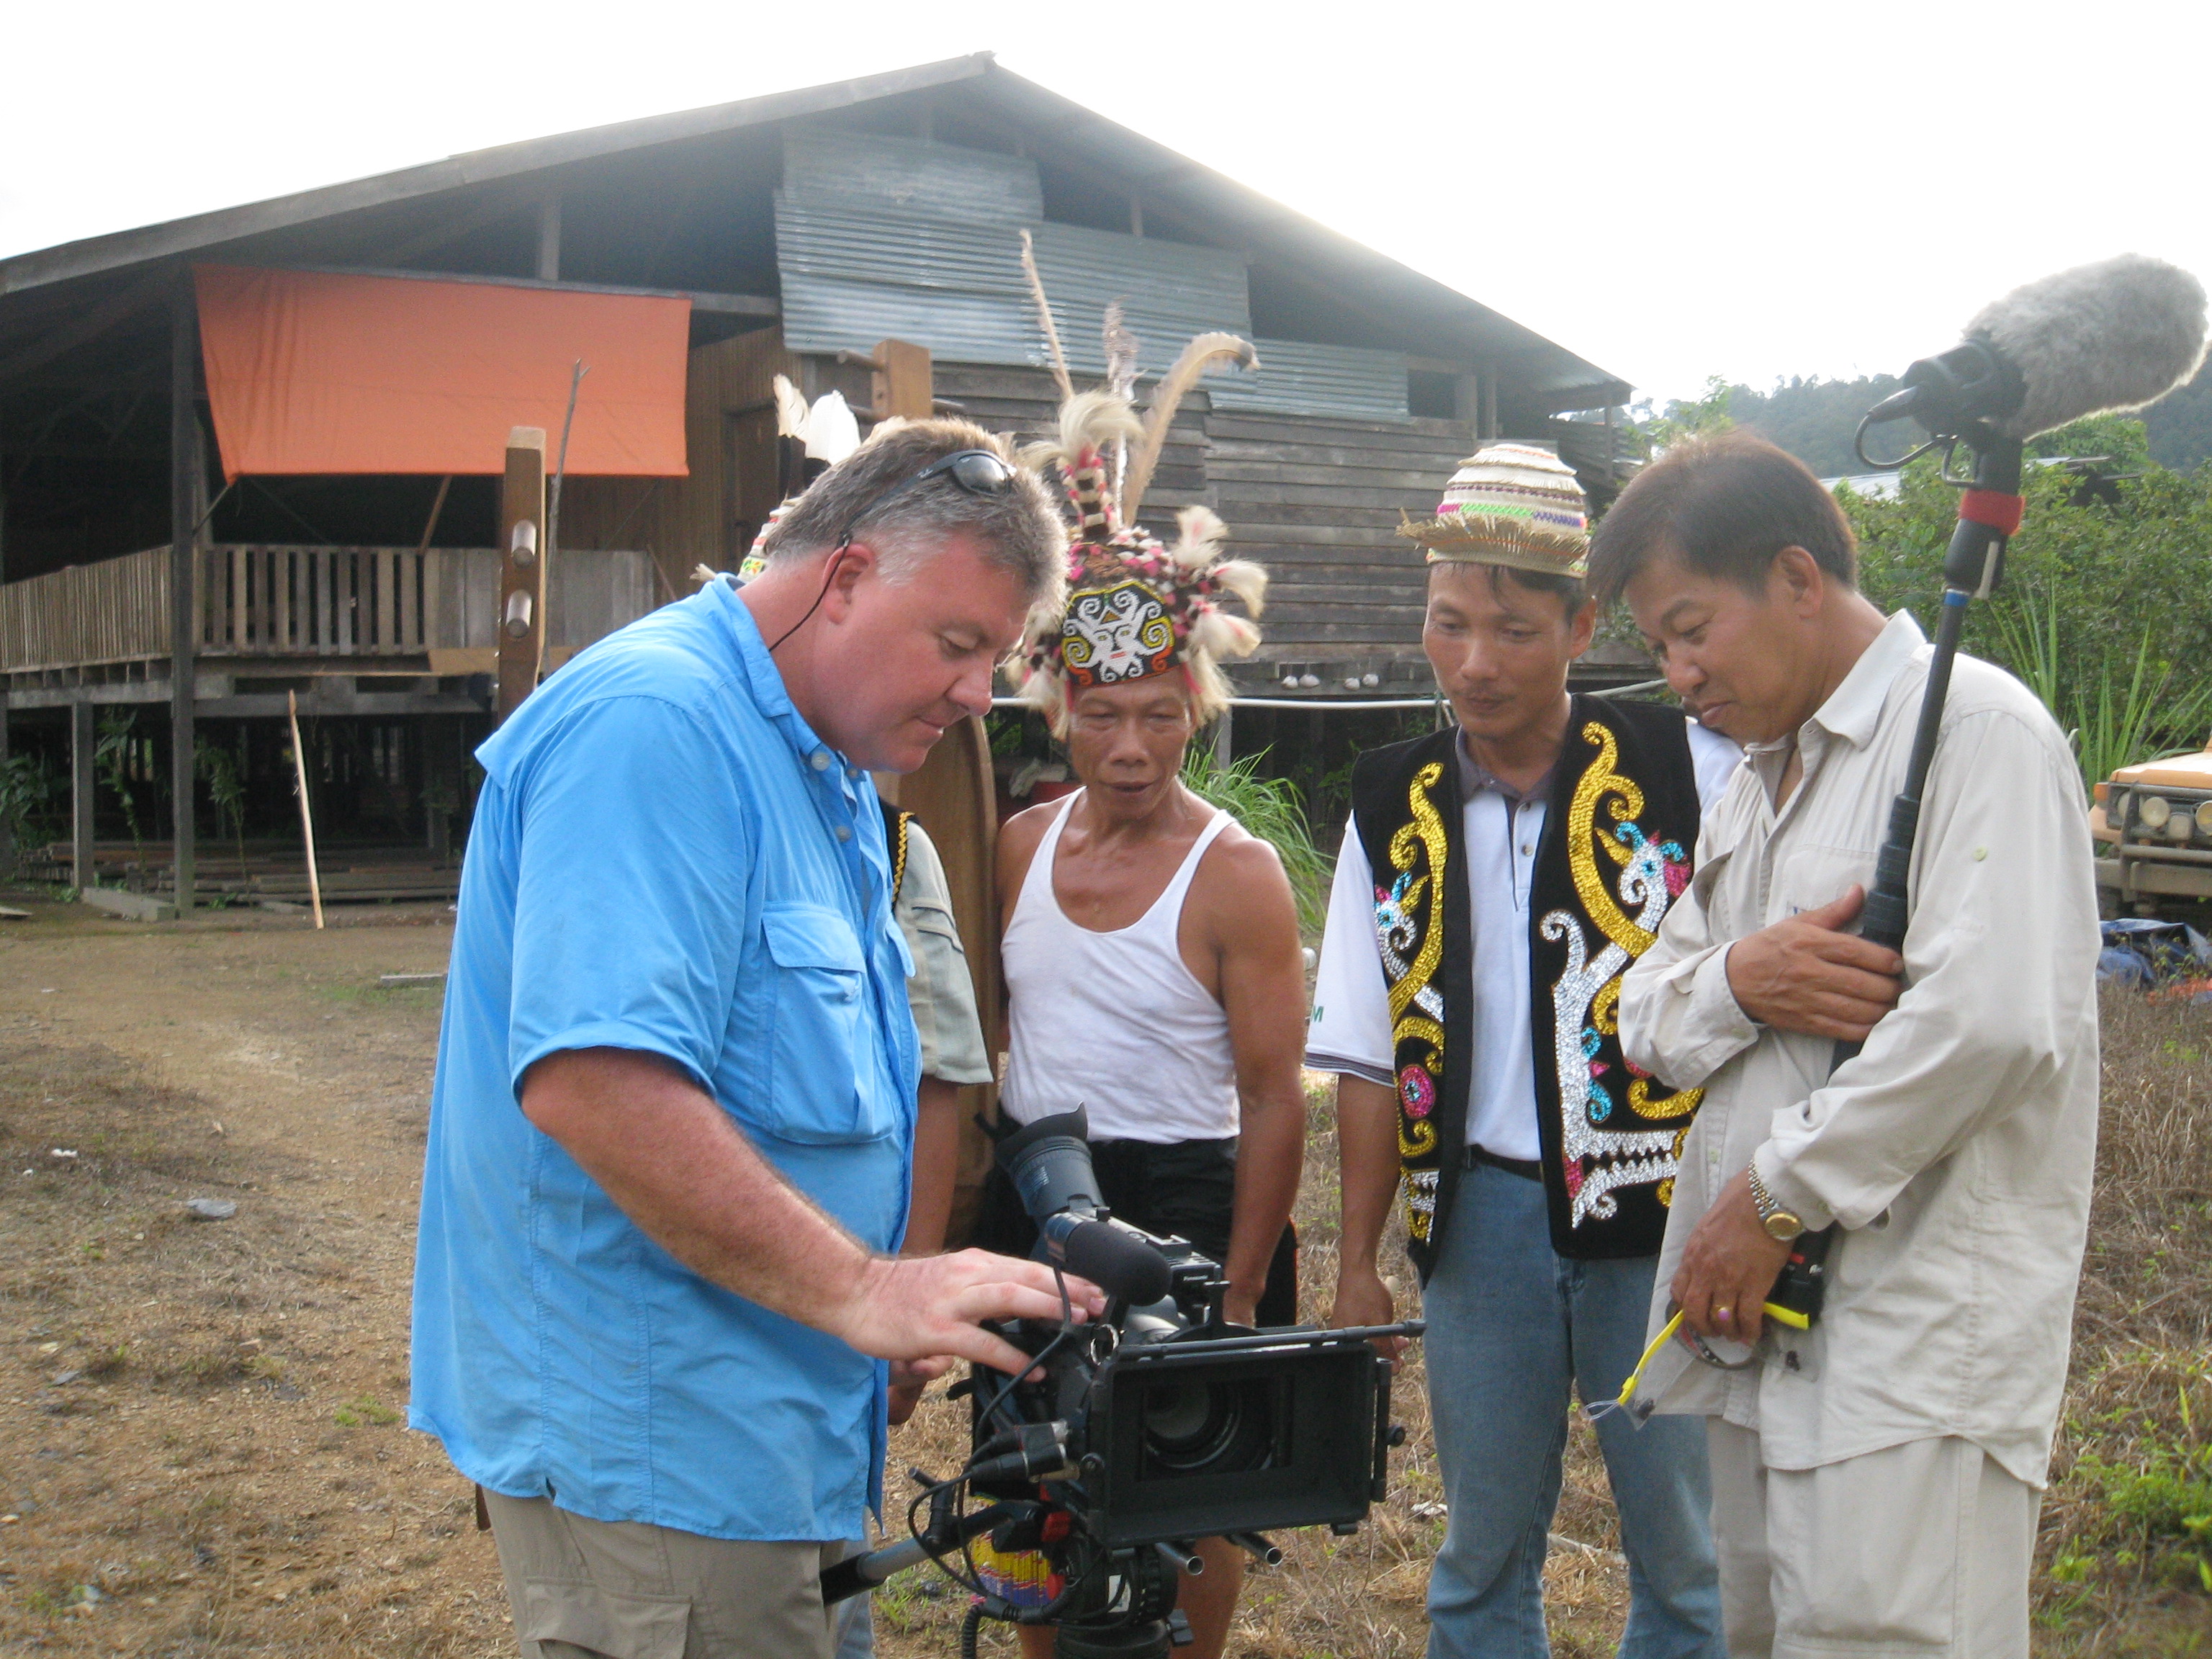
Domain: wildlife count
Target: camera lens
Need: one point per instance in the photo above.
(1210, 1427)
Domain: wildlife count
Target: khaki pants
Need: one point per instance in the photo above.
(1921, 1549)
(623, 1590)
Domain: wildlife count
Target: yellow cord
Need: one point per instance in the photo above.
(1788, 1316)
(1667, 1335)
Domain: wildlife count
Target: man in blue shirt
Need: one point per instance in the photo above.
(673, 1118)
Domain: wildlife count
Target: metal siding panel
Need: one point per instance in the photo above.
(1295, 378)
(855, 270)
(834, 313)
(943, 180)
(1168, 291)
(852, 236)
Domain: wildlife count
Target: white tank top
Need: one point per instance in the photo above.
(1114, 1022)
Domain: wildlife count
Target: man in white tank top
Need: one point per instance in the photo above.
(1152, 955)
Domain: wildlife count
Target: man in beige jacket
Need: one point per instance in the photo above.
(1875, 1482)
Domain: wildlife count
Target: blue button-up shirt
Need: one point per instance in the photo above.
(665, 858)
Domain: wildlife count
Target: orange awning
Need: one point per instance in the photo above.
(315, 372)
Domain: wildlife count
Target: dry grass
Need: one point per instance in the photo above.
(2126, 1562)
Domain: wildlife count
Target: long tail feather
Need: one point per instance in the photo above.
(1198, 356)
(1044, 319)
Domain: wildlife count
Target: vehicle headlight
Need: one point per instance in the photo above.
(2177, 827)
(2204, 817)
(2152, 811)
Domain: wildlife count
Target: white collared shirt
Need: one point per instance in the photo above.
(1350, 1029)
(1957, 1149)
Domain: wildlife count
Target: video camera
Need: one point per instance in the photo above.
(1155, 1426)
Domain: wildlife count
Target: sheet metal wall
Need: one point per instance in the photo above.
(880, 237)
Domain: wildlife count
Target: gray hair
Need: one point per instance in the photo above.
(1018, 528)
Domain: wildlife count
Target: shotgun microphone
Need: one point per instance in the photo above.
(2115, 335)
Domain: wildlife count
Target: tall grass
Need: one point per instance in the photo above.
(1269, 808)
(2109, 723)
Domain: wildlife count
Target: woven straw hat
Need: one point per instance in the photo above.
(1509, 504)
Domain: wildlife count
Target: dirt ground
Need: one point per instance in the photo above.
(200, 1445)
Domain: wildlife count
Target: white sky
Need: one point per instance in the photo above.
(1671, 190)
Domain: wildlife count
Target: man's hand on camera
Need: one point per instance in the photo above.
(1806, 975)
(1362, 1299)
(1242, 1307)
(919, 1307)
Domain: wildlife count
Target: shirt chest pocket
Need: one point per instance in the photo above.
(823, 1083)
(1810, 877)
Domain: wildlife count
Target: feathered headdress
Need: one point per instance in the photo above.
(1134, 608)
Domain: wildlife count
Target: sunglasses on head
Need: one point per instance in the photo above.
(978, 471)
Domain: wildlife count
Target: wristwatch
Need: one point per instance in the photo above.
(1782, 1225)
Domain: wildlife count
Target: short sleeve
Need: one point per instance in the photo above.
(940, 991)
(1350, 1029)
(631, 909)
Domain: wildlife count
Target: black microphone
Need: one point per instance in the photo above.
(2115, 335)
(1049, 1162)
(1115, 1257)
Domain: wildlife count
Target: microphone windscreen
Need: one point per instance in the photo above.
(2115, 335)
(1118, 1263)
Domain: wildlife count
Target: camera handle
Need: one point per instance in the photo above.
(1989, 513)
(858, 1574)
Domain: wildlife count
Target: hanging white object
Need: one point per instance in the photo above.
(832, 432)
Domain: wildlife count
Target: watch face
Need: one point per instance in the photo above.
(1782, 1226)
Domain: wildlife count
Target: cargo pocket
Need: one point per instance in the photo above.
(582, 1622)
(819, 1026)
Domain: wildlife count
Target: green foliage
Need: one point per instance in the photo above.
(218, 768)
(112, 756)
(1812, 419)
(1269, 808)
(1714, 412)
(2103, 612)
(26, 792)
(2180, 425)
(2122, 440)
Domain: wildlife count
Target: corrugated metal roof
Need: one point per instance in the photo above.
(1295, 378)
(943, 180)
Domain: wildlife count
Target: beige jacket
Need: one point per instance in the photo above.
(1957, 1148)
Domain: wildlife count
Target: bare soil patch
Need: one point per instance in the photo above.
(200, 1448)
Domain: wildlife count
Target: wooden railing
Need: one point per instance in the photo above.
(278, 601)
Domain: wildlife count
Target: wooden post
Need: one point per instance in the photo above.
(83, 743)
(549, 237)
(521, 618)
(903, 383)
(185, 484)
(306, 809)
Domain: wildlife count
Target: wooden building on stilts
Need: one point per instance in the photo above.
(255, 455)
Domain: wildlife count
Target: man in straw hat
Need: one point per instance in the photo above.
(1495, 880)
(1153, 966)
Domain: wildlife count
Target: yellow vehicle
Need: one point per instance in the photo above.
(2152, 824)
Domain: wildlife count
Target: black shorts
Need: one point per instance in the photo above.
(1186, 1187)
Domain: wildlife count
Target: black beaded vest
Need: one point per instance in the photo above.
(1620, 829)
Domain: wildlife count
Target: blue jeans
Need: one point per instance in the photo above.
(1514, 1330)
